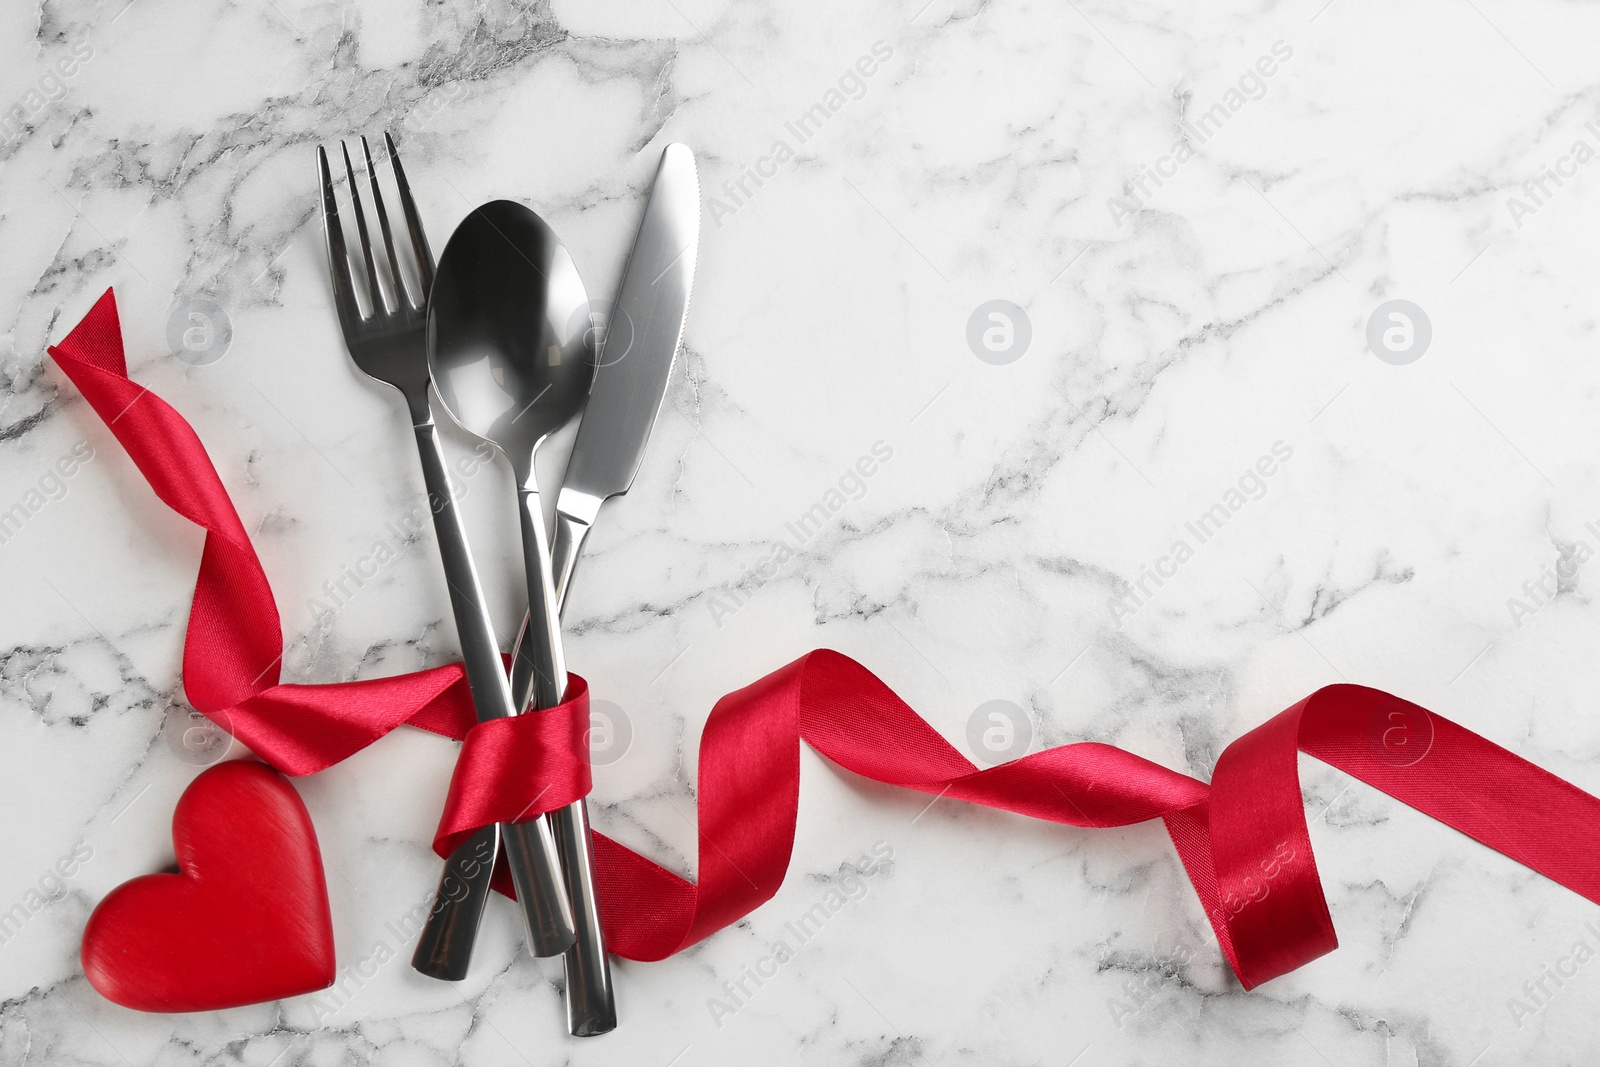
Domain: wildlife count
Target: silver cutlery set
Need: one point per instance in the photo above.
(501, 334)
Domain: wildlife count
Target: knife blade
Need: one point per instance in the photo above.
(636, 355)
(639, 350)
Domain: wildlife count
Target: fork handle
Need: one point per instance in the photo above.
(444, 949)
(530, 846)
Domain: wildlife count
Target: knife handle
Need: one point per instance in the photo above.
(591, 1004)
(591, 1001)
(565, 549)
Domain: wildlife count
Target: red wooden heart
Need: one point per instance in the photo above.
(246, 918)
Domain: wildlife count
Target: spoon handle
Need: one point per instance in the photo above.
(591, 1009)
(530, 846)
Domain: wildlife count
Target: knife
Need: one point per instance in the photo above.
(635, 363)
(636, 358)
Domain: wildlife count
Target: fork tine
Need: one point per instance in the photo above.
(396, 278)
(419, 240)
(380, 305)
(339, 265)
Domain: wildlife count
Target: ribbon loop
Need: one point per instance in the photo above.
(515, 769)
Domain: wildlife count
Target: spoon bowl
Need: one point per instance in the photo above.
(509, 343)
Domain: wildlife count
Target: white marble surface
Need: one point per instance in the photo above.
(1175, 340)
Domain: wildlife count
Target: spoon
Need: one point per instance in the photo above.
(512, 357)
(511, 351)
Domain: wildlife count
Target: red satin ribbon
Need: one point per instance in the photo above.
(514, 769)
(1242, 839)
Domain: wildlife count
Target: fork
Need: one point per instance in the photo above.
(388, 342)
